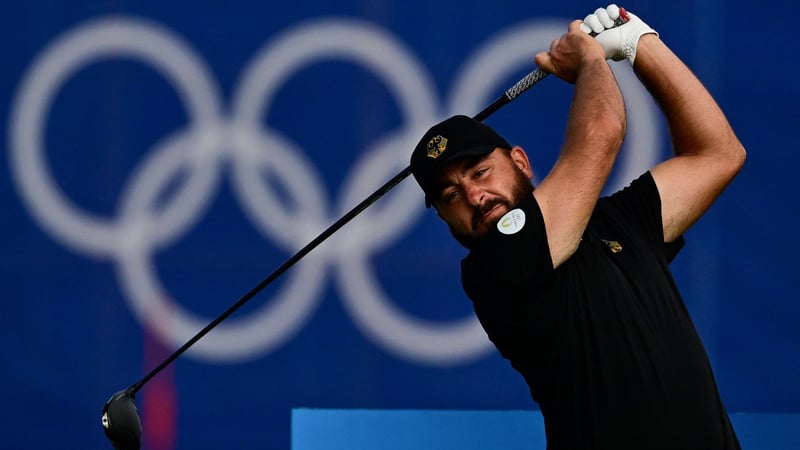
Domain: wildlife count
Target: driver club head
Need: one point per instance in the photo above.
(121, 421)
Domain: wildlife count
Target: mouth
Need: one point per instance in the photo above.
(485, 218)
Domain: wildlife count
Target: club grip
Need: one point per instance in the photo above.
(513, 92)
(525, 83)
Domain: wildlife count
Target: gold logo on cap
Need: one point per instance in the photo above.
(436, 146)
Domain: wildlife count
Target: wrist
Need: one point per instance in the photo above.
(594, 54)
(592, 67)
(647, 40)
(639, 34)
(646, 45)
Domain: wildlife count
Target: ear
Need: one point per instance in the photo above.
(520, 158)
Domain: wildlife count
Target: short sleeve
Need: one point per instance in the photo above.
(640, 204)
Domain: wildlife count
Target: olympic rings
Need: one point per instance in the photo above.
(238, 141)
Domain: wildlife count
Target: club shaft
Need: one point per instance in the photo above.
(277, 273)
(509, 95)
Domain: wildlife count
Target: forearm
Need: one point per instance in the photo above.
(696, 124)
(597, 121)
(707, 153)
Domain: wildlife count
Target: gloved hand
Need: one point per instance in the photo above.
(617, 30)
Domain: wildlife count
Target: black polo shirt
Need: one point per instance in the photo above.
(604, 341)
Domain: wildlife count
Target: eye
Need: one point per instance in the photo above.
(480, 172)
(449, 196)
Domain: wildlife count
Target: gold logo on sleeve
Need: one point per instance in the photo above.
(614, 246)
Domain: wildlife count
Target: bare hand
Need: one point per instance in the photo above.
(570, 53)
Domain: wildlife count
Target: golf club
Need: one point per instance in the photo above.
(120, 419)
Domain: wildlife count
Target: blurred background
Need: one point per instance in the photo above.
(161, 158)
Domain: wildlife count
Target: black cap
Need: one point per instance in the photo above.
(447, 141)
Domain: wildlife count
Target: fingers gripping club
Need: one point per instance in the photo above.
(617, 30)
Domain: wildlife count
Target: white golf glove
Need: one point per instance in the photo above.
(617, 30)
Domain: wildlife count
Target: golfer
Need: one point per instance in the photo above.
(573, 289)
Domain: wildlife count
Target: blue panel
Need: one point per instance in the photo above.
(767, 431)
(316, 429)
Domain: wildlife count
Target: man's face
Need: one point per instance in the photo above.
(473, 193)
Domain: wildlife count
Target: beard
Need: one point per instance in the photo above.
(521, 189)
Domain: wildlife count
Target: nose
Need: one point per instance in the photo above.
(475, 194)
